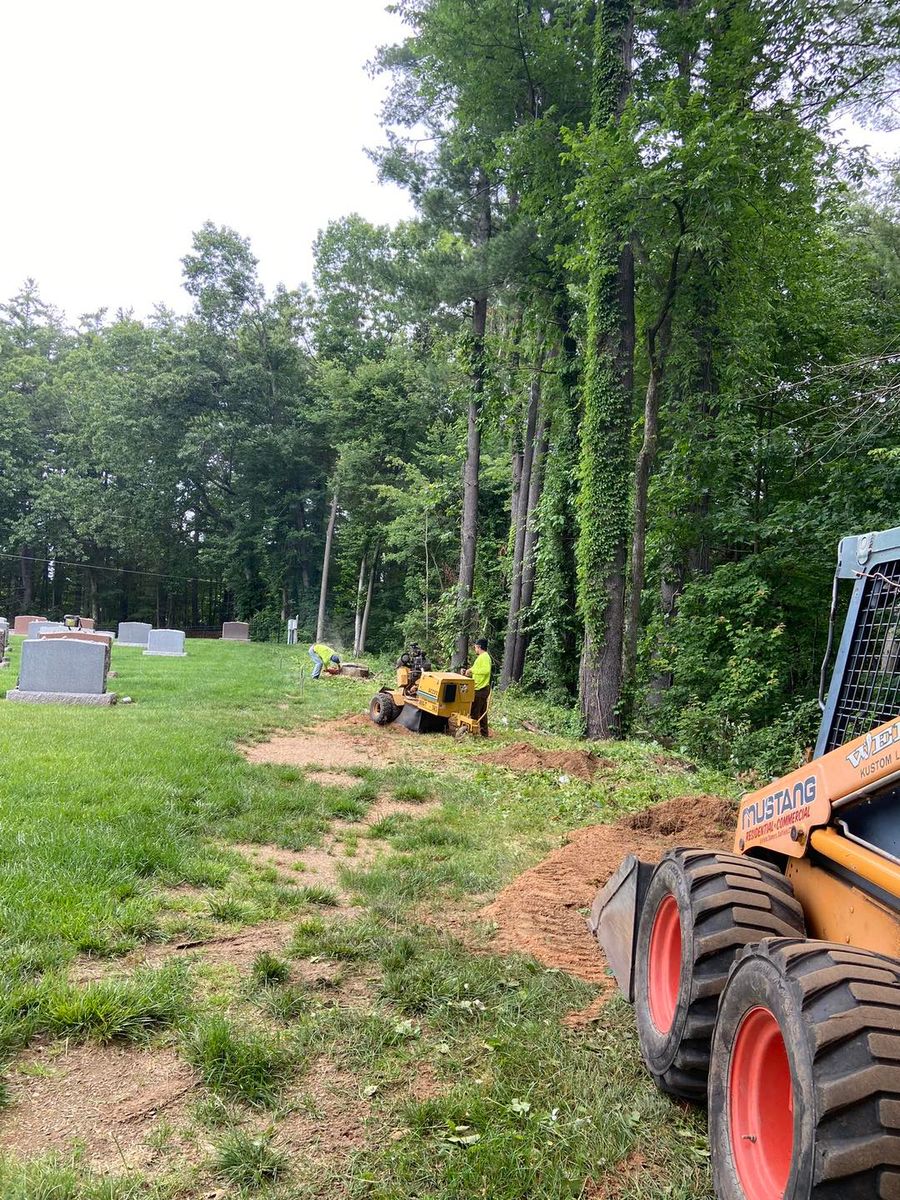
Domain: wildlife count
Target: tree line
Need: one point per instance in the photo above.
(611, 397)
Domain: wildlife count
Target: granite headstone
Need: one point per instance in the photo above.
(133, 633)
(38, 628)
(166, 643)
(62, 671)
(20, 625)
(235, 631)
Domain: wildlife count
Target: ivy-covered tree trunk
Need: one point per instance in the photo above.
(603, 502)
(472, 465)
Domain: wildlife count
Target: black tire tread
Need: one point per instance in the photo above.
(851, 1005)
(746, 901)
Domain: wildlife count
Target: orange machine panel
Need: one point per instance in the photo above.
(780, 816)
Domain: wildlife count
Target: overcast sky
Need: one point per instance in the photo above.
(126, 125)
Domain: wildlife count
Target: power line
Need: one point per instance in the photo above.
(115, 570)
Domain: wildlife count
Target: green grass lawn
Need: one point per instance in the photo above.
(104, 811)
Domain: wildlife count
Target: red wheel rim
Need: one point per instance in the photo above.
(761, 1107)
(664, 965)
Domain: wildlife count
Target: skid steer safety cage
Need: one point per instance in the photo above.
(865, 683)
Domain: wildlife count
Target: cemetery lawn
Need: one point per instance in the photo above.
(220, 977)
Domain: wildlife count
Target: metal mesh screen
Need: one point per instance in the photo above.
(870, 689)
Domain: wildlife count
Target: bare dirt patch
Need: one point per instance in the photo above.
(523, 756)
(542, 912)
(351, 741)
(333, 779)
(383, 807)
(110, 1099)
(313, 750)
(329, 1117)
(625, 1172)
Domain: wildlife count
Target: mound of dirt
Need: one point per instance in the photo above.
(541, 912)
(522, 756)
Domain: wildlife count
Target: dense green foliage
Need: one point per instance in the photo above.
(722, 418)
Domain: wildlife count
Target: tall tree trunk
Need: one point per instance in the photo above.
(360, 590)
(530, 548)
(606, 424)
(370, 591)
(26, 575)
(658, 341)
(472, 467)
(520, 520)
(670, 584)
(94, 598)
(326, 563)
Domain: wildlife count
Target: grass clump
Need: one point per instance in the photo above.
(350, 941)
(249, 1161)
(287, 1003)
(57, 1178)
(268, 970)
(248, 1065)
(411, 793)
(316, 893)
(128, 1009)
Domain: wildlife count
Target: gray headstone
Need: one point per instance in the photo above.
(236, 631)
(168, 643)
(63, 666)
(36, 628)
(133, 633)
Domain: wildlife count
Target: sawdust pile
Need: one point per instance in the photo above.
(542, 912)
(522, 756)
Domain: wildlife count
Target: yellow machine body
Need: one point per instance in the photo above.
(439, 693)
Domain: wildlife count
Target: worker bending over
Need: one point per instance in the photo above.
(320, 654)
(481, 677)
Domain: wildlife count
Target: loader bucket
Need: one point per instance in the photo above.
(615, 916)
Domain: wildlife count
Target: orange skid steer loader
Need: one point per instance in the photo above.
(767, 980)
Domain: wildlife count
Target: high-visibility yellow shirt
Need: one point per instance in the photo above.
(481, 670)
(324, 652)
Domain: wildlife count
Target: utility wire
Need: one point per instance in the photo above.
(115, 570)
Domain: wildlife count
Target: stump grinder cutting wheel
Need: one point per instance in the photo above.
(768, 980)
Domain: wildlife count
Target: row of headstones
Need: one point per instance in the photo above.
(130, 633)
(71, 666)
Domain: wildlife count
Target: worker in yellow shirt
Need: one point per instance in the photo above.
(320, 654)
(480, 672)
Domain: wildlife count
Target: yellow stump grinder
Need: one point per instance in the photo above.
(766, 980)
(424, 700)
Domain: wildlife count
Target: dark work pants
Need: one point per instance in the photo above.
(479, 708)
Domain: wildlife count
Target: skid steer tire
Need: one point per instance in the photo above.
(804, 1089)
(702, 908)
(382, 709)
